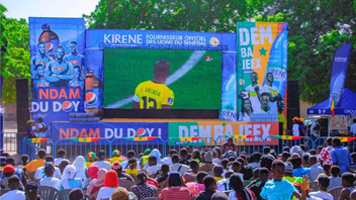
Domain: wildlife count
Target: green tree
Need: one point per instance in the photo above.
(15, 61)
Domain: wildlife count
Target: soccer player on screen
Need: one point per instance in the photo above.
(154, 94)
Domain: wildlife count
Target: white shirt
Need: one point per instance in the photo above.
(51, 181)
(274, 91)
(322, 195)
(183, 168)
(315, 170)
(58, 161)
(217, 161)
(256, 104)
(353, 128)
(40, 173)
(311, 198)
(223, 185)
(232, 195)
(295, 129)
(241, 175)
(13, 194)
(103, 165)
(152, 170)
(167, 160)
(334, 182)
(81, 174)
(40, 134)
(254, 165)
(105, 192)
(315, 133)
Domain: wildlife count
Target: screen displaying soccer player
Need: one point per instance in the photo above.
(154, 94)
(162, 79)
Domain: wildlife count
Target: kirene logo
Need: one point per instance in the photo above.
(132, 132)
(341, 59)
(91, 98)
(214, 41)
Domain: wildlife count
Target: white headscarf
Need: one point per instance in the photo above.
(156, 153)
(79, 164)
(68, 173)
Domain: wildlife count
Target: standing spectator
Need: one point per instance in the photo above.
(184, 156)
(35, 164)
(302, 131)
(295, 128)
(68, 180)
(257, 185)
(97, 183)
(239, 191)
(224, 184)
(298, 171)
(120, 174)
(207, 165)
(196, 187)
(41, 128)
(236, 167)
(193, 172)
(31, 134)
(92, 174)
(315, 168)
(18, 172)
(335, 180)
(348, 180)
(142, 189)
(326, 169)
(101, 163)
(14, 193)
(325, 154)
(217, 153)
(8, 171)
(196, 156)
(110, 185)
(163, 173)
(61, 153)
(255, 160)
(210, 187)
(49, 180)
(31, 191)
(315, 129)
(229, 146)
(288, 172)
(323, 184)
(341, 156)
(353, 157)
(175, 189)
(353, 127)
(80, 167)
(176, 166)
(246, 171)
(40, 173)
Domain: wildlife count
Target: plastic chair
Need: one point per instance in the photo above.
(126, 184)
(47, 192)
(63, 194)
(336, 192)
(314, 186)
(161, 184)
(31, 176)
(93, 196)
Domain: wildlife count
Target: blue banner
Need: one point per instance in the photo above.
(58, 69)
(109, 130)
(338, 73)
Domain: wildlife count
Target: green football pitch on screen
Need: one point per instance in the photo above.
(195, 76)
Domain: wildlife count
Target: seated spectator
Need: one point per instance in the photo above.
(298, 186)
(298, 150)
(323, 184)
(207, 165)
(14, 193)
(116, 157)
(246, 171)
(49, 180)
(156, 153)
(255, 160)
(315, 168)
(218, 170)
(168, 160)
(335, 180)
(63, 165)
(224, 184)
(326, 169)
(224, 164)
(266, 151)
(80, 167)
(18, 172)
(285, 156)
(132, 170)
(97, 183)
(348, 180)
(176, 166)
(257, 185)
(61, 153)
(219, 196)
(31, 191)
(110, 185)
(239, 191)
(184, 157)
(198, 186)
(353, 195)
(37, 163)
(101, 163)
(192, 173)
(210, 187)
(217, 153)
(76, 194)
(142, 189)
(163, 173)
(305, 161)
(120, 174)
(196, 156)
(353, 158)
(286, 148)
(266, 161)
(91, 159)
(40, 173)
(229, 146)
(24, 161)
(9, 171)
(91, 173)
(312, 152)
(144, 158)
(150, 180)
(288, 172)
(236, 168)
(123, 194)
(130, 155)
(296, 161)
(175, 188)
(68, 180)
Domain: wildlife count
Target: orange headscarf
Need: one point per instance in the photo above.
(111, 179)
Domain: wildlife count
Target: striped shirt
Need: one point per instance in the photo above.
(176, 193)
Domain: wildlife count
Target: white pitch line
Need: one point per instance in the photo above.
(186, 67)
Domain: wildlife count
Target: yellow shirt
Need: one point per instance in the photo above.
(290, 179)
(132, 172)
(218, 178)
(88, 164)
(114, 159)
(34, 165)
(153, 95)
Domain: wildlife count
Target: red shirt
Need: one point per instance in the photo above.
(153, 182)
(325, 155)
(176, 193)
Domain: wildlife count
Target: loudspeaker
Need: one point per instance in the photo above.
(22, 104)
(293, 94)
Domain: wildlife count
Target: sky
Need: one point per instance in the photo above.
(48, 8)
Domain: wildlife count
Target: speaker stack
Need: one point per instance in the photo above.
(22, 104)
(293, 107)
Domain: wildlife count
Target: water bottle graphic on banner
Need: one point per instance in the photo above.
(93, 93)
(50, 38)
(277, 63)
(336, 87)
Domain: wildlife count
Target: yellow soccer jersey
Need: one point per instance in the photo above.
(153, 95)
